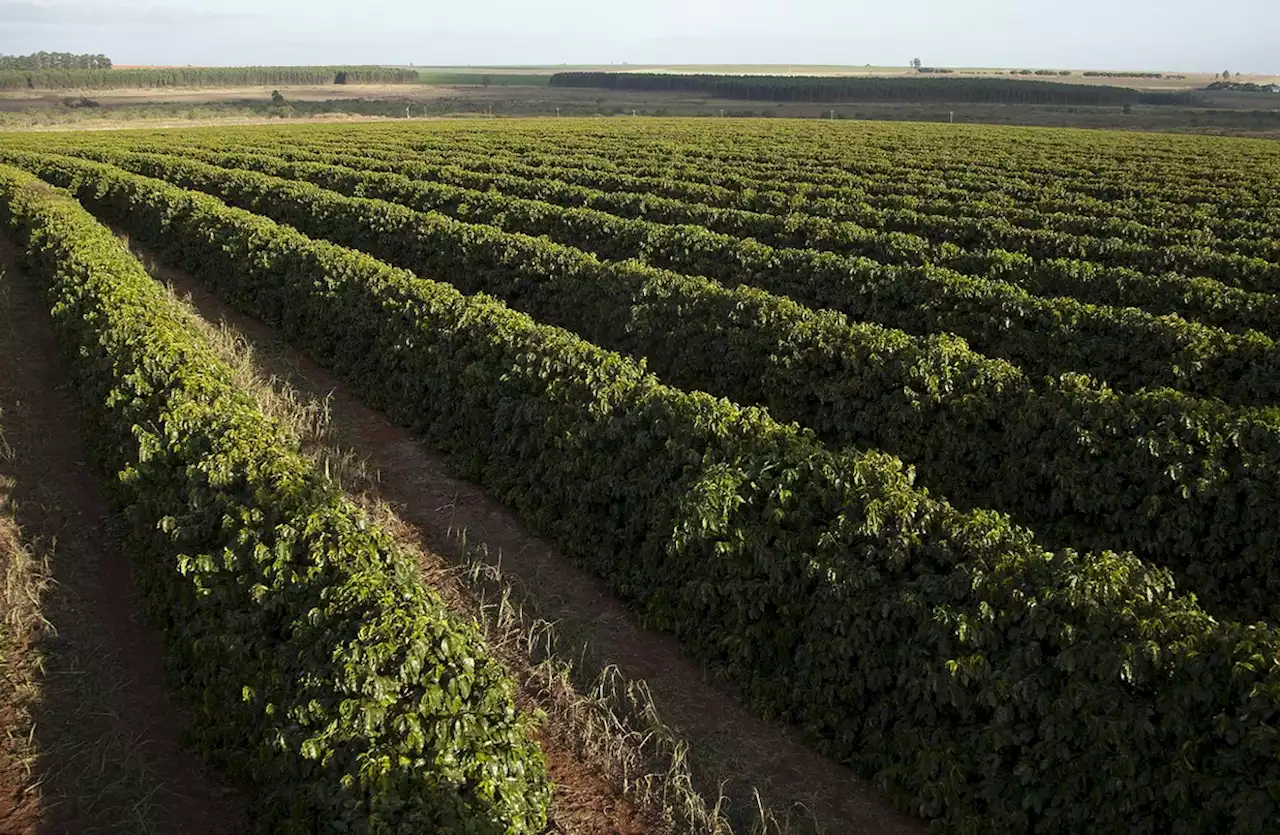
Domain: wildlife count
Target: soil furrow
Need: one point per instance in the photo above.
(107, 731)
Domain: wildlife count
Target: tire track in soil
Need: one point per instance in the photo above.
(108, 729)
(730, 744)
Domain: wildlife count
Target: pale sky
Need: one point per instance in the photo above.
(1240, 36)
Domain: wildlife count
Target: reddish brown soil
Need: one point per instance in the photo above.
(19, 804)
(107, 727)
(730, 744)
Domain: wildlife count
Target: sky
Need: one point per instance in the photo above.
(1081, 34)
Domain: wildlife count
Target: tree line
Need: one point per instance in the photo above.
(1242, 87)
(105, 79)
(1111, 74)
(55, 61)
(852, 89)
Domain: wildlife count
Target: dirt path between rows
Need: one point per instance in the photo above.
(107, 729)
(730, 745)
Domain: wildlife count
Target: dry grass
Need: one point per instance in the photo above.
(25, 581)
(612, 719)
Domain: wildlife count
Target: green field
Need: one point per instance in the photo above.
(484, 79)
(957, 448)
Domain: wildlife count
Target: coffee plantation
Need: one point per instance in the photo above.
(957, 448)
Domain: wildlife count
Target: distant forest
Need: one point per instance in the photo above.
(1246, 87)
(106, 79)
(54, 61)
(866, 89)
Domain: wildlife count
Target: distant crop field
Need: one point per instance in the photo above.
(933, 87)
(485, 79)
(1156, 80)
(955, 447)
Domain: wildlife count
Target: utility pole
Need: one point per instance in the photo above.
(951, 118)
